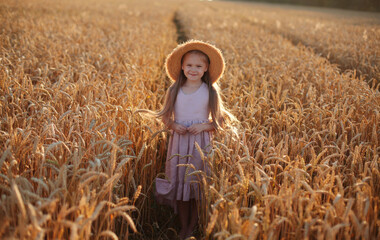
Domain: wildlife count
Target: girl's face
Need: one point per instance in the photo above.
(194, 66)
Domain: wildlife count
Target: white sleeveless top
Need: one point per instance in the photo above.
(192, 107)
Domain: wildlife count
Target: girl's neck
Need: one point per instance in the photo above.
(193, 84)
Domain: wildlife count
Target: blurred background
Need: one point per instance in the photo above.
(363, 5)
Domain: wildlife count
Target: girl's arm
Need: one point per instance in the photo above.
(178, 128)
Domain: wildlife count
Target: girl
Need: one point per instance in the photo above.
(194, 66)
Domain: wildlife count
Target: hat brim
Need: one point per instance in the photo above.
(215, 69)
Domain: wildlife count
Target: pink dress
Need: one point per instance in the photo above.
(178, 185)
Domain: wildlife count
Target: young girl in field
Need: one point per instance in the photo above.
(190, 101)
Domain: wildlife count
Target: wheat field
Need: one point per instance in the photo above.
(78, 162)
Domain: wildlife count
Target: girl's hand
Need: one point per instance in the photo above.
(196, 128)
(178, 128)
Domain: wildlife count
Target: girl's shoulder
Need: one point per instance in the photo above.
(204, 86)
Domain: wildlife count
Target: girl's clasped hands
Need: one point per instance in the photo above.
(193, 129)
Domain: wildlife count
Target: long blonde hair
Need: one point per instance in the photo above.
(217, 110)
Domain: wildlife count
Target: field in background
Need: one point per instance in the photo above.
(361, 5)
(77, 162)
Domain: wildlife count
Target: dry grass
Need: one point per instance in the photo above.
(76, 162)
(346, 38)
(72, 74)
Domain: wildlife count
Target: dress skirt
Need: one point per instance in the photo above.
(182, 159)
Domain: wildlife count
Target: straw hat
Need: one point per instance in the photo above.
(173, 61)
